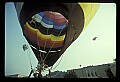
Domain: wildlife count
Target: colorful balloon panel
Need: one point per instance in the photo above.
(35, 36)
(51, 19)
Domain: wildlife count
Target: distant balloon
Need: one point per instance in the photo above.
(94, 38)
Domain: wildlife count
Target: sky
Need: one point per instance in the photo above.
(84, 51)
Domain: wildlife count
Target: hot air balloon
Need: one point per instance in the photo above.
(50, 28)
(94, 38)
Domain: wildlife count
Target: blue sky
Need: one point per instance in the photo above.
(84, 51)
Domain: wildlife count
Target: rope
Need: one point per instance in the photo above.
(50, 50)
(30, 59)
(58, 63)
(55, 67)
(40, 56)
(38, 44)
(28, 52)
(54, 42)
(62, 54)
(51, 46)
(39, 49)
(57, 36)
(46, 39)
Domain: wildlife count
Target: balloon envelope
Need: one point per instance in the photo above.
(50, 28)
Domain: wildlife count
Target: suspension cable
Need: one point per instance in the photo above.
(28, 51)
(57, 36)
(40, 56)
(62, 54)
(58, 62)
(39, 46)
(39, 49)
(46, 39)
(54, 41)
(30, 59)
(52, 46)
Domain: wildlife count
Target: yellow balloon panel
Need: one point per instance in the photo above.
(89, 10)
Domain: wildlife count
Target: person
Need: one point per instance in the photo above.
(35, 75)
(30, 73)
(39, 75)
(47, 76)
(40, 67)
(40, 70)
